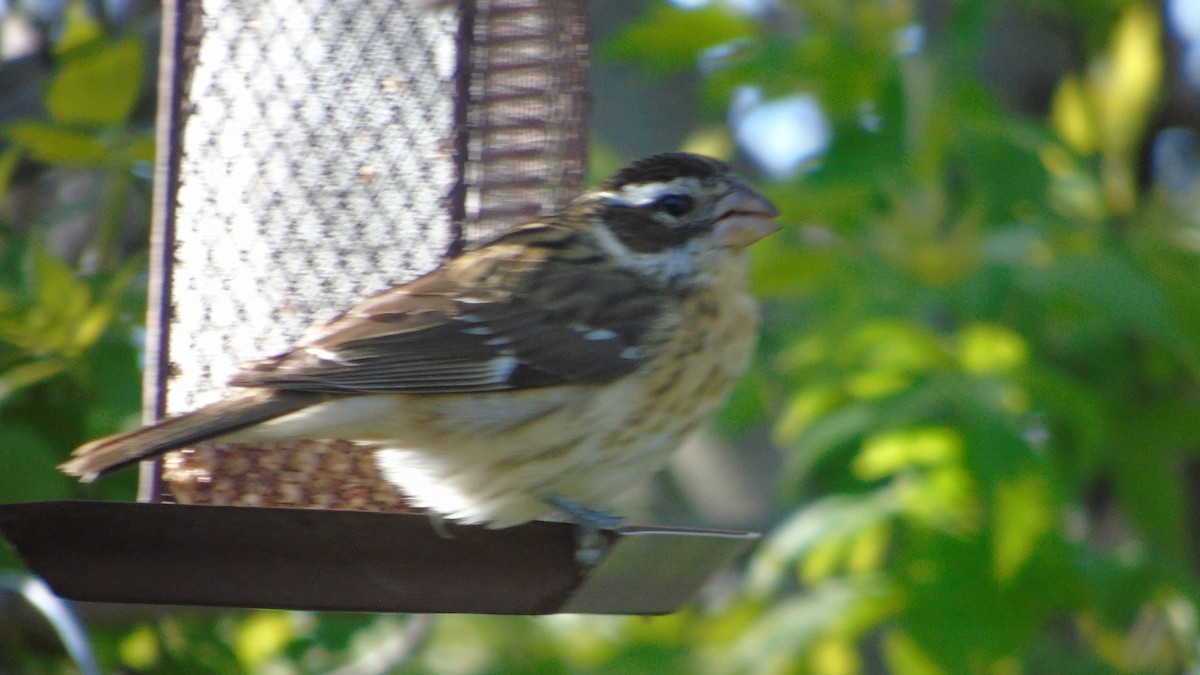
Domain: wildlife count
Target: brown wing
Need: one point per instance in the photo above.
(530, 309)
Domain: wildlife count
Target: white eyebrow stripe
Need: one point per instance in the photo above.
(640, 194)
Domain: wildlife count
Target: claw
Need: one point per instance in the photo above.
(590, 542)
(582, 515)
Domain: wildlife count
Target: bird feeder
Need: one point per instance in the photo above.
(312, 152)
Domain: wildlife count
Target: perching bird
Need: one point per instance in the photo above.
(545, 369)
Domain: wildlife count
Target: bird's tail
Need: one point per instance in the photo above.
(239, 411)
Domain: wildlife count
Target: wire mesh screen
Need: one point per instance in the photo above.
(317, 151)
(525, 111)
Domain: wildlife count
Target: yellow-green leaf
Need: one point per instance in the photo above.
(868, 549)
(59, 292)
(1130, 77)
(886, 453)
(834, 655)
(8, 164)
(90, 326)
(55, 145)
(822, 561)
(79, 28)
(98, 87)
(1072, 116)
(1023, 513)
(260, 636)
(140, 649)
(28, 374)
(941, 497)
(802, 409)
(904, 656)
(985, 348)
(141, 149)
(821, 529)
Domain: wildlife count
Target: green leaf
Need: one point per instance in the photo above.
(111, 367)
(1152, 491)
(30, 462)
(1109, 289)
(744, 407)
(98, 87)
(669, 39)
(827, 432)
(957, 612)
(28, 374)
(53, 144)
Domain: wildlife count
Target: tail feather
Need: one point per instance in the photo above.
(242, 410)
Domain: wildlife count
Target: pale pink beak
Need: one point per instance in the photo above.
(744, 217)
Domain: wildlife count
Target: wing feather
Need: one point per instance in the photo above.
(500, 318)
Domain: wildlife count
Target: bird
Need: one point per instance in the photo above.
(538, 373)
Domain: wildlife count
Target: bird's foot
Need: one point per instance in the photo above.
(590, 542)
(581, 515)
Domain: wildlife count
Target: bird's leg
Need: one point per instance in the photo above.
(438, 523)
(589, 542)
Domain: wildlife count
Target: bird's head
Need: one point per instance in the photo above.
(675, 206)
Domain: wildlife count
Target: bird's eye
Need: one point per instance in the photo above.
(674, 205)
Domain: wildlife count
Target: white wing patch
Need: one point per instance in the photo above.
(502, 367)
(327, 355)
(633, 353)
(593, 334)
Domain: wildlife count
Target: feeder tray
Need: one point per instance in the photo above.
(314, 559)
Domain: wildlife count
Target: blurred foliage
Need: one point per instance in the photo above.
(71, 293)
(980, 363)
